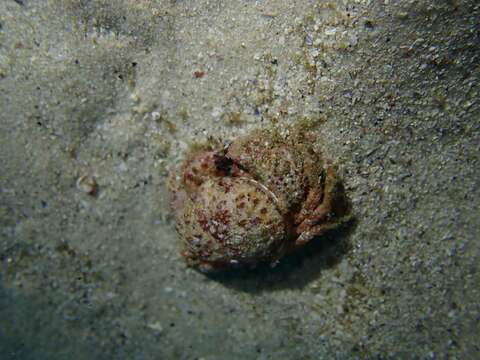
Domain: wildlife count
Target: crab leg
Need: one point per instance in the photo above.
(312, 225)
(310, 204)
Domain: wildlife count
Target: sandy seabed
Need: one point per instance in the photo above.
(100, 99)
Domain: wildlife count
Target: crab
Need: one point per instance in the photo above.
(265, 194)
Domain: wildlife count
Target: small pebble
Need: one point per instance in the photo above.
(156, 326)
(87, 184)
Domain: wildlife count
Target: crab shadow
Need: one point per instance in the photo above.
(296, 269)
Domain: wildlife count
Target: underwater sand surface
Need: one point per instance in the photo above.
(100, 99)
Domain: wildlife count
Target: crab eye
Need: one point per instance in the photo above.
(223, 163)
